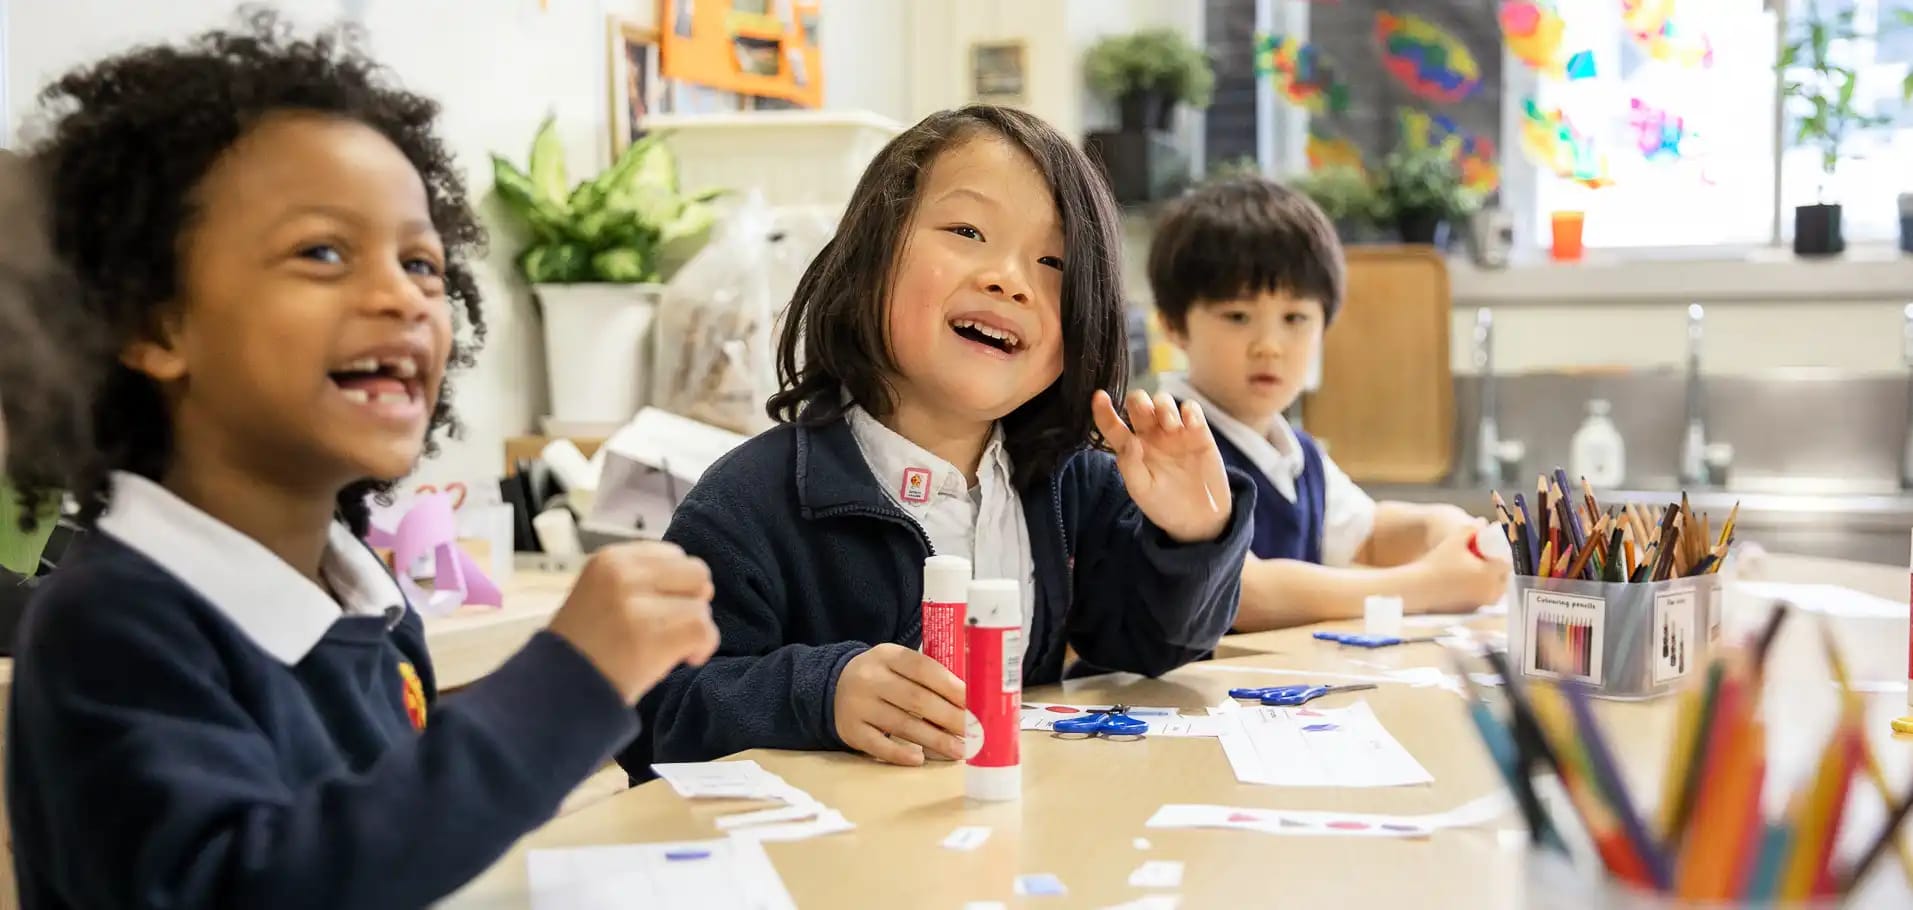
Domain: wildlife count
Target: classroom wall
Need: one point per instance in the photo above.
(498, 67)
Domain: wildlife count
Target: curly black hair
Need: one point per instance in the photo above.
(136, 133)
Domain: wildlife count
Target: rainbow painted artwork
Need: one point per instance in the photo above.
(1534, 32)
(1551, 140)
(1658, 133)
(1326, 150)
(1299, 74)
(1663, 36)
(1429, 61)
(1476, 156)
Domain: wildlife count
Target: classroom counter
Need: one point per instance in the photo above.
(1862, 527)
(1085, 802)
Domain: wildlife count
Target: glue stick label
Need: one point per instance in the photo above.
(990, 732)
(943, 636)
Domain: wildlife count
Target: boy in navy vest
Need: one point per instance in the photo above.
(1246, 275)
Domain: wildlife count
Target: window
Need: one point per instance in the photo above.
(1877, 163)
(1662, 120)
(1663, 133)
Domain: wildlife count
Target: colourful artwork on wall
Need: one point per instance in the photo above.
(1658, 133)
(1663, 36)
(1534, 32)
(1429, 61)
(1551, 140)
(1299, 74)
(1476, 156)
(1327, 150)
(745, 47)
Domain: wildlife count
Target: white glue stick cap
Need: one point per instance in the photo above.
(946, 579)
(993, 785)
(996, 603)
(1382, 615)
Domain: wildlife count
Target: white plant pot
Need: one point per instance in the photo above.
(598, 349)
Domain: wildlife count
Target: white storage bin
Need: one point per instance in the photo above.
(795, 158)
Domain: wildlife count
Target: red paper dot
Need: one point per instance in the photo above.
(1349, 826)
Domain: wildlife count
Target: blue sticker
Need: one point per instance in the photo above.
(1319, 728)
(1042, 885)
(678, 855)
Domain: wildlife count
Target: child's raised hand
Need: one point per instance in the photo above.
(897, 705)
(637, 611)
(1169, 463)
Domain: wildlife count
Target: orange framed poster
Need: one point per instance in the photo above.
(751, 47)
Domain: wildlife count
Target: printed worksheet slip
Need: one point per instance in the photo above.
(1330, 824)
(1316, 747)
(692, 875)
(728, 780)
(1162, 721)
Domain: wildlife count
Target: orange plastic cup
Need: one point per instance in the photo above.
(1567, 235)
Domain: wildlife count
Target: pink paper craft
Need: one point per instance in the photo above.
(428, 526)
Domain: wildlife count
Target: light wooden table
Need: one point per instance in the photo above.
(474, 641)
(1085, 801)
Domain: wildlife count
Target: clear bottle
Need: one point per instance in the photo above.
(1598, 453)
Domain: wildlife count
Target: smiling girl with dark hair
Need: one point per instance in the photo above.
(947, 369)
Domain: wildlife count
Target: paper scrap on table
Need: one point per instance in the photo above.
(1141, 843)
(968, 837)
(1329, 824)
(1157, 873)
(727, 780)
(1152, 902)
(1832, 600)
(1417, 677)
(692, 875)
(985, 905)
(1316, 747)
(768, 816)
(828, 821)
(1039, 885)
(1162, 721)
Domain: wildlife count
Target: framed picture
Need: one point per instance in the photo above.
(997, 71)
(761, 48)
(636, 87)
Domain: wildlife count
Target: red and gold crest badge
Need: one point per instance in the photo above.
(414, 694)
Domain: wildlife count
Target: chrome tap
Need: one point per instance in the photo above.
(1693, 463)
(1487, 429)
(1906, 355)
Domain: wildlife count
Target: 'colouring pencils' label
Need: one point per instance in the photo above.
(1563, 635)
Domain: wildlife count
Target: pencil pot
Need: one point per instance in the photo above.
(1624, 641)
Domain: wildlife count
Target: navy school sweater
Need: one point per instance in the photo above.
(1284, 529)
(814, 564)
(157, 757)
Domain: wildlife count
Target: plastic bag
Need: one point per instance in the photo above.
(718, 322)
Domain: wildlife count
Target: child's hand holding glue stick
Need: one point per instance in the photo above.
(1469, 568)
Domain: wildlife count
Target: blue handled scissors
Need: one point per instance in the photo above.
(1290, 696)
(1369, 641)
(1113, 723)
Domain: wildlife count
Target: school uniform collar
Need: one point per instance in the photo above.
(1277, 453)
(280, 610)
(912, 475)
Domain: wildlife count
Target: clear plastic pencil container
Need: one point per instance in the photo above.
(1624, 641)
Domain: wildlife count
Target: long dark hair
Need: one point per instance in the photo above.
(834, 341)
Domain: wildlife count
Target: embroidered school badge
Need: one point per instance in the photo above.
(916, 485)
(414, 694)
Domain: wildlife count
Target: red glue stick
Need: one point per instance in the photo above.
(946, 585)
(993, 691)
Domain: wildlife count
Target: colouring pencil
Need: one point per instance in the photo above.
(1504, 745)
(1607, 780)
(1541, 506)
(1727, 527)
(1894, 819)
(1603, 829)
(1869, 761)
(1526, 520)
(1683, 809)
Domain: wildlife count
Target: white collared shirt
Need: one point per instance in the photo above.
(984, 524)
(1348, 513)
(279, 609)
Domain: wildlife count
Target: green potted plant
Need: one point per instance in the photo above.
(593, 257)
(1421, 190)
(1821, 100)
(1147, 73)
(1347, 197)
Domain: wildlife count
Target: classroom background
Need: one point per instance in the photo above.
(1666, 244)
